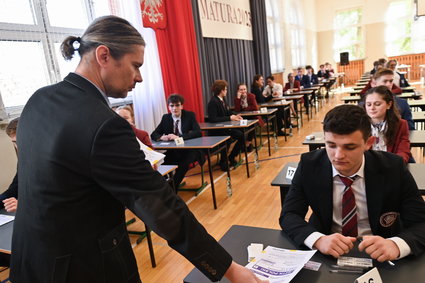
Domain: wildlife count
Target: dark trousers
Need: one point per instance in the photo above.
(237, 135)
(182, 158)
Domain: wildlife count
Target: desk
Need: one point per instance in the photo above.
(296, 98)
(279, 103)
(205, 143)
(417, 139)
(249, 127)
(281, 181)
(417, 103)
(6, 232)
(238, 238)
(269, 115)
(419, 118)
(356, 99)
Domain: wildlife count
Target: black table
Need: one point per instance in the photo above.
(238, 238)
(209, 144)
(269, 116)
(6, 232)
(246, 129)
(282, 182)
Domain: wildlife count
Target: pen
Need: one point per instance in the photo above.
(388, 261)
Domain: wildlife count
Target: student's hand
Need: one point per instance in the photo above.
(379, 248)
(172, 137)
(239, 95)
(164, 138)
(235, 118)
(155, 167)
(239, 274)
(10, 204)
(335, 245)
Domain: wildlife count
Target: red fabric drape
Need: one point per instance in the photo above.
(179, 56)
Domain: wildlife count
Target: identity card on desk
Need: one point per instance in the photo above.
(279, 265)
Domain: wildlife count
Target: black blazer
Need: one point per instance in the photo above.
(189, 126)
(79, 167)
(216, 111)
(389, 188)
(307, 82)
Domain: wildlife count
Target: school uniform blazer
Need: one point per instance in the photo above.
(390, 191)
(307, 82)
(143, 136)
(252, 106)
(297, 84)
(217, 112)
(79, 168)
(401, 144)
(259, 97)
(189, 126)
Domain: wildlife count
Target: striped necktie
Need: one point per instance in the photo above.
(176, 128)
(349, 208)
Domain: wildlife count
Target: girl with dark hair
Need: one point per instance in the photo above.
(390, 131)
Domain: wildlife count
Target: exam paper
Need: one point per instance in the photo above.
(6, 219)
(154, 157)
(279, 265)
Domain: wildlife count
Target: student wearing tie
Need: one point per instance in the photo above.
(179, 123)
(354, 193)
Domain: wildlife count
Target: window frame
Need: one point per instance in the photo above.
(360, 42)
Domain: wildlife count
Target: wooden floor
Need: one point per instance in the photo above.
(254, 202)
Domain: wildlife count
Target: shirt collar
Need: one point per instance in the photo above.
(359, 173)
(101, 91)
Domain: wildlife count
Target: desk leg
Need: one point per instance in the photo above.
(228, 181)
(257, 165)
(276, 144)
(283, 193)
(212, 177)
(150, 245)
(246, 152)
(268, 133)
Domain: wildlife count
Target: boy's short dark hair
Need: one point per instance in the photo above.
(175, 98)
(270, 78)
(346, 119)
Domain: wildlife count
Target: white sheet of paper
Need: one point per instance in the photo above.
(154, 157)
(279, 265)
(290, 173)
(6, 218)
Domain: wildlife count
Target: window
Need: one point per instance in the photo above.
(403, 35)
(297, 33)
(348, 34)
(31, 32)
(274, 36)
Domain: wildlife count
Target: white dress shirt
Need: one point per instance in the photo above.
(277, 88)
(363, 226)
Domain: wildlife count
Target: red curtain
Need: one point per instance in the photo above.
(179, 56)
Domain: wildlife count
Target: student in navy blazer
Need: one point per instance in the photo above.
(389, 205)
(187, 128)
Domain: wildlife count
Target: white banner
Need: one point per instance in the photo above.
(226, 19)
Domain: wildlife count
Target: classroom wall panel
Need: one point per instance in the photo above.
(353, 71)
(414, 60)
